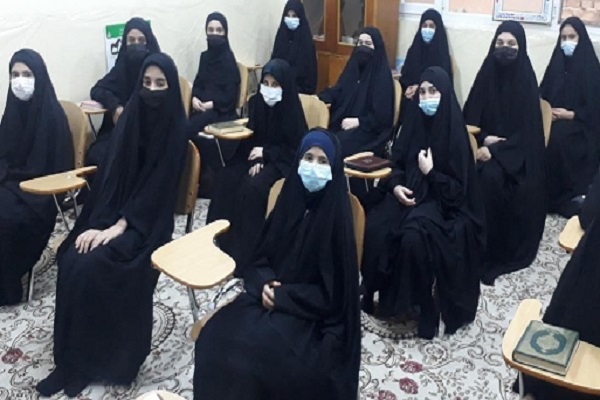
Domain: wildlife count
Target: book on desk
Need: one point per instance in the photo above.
(549, 348)
(223, 128)
(368, 163)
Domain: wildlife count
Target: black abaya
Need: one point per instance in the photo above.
(572, 153)
(297, 48)
(366, 93)
(34, 141)
(103, 322)
(218, 80)
(308, 346)
(591, 206)
(437, 245)
(423, 55)
(504, 102)
(575, 305)
(241, 198)
(113, 91)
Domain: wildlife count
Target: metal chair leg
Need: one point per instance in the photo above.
(193, 303)
(220, 153)
(367, 185)
(92, 126)
(521, 386)
(30, 285)
(62, 214)
(74, 197)
(190, 222)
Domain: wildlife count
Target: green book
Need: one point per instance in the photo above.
(547, 347)
(226, 127)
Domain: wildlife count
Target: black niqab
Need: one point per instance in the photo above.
(297, 48)
(217, 64)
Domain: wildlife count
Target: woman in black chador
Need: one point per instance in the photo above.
(103, 320)
(362, 100)
(504, 102)
(34, 141)
(295, 333)
(294, 43)
(429, 49)
(113, 91)
(242, 188)
(425, 241)
(214, 95)
(572, 88)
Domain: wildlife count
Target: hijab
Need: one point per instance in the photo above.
(320, 224)
(376, 95)
(504, 101)
(35, 139)
(572, 82)
(217, 63)
(422, 55)
(282, 125)
(121, 79)
(139, 179)
(297, 48)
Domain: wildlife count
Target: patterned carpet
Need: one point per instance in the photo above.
(395, 365)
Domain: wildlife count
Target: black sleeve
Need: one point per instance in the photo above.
(591, 206)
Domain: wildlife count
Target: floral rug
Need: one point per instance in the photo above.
(395, 364)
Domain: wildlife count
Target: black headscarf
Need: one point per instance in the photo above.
(121, 79)
(423, 55)
(572, 82)
(218, 64)
(376, 98)
(320, 226)
(34, 135)
(504, 101)
(297, 48)
(278, 128)
(140, 177)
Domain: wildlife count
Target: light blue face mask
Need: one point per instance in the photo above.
(427, 34)
(314, 176)
(568, 47)
(292, 23)
(430, 106)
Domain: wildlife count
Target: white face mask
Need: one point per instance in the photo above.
(23, 87)
(292, 23)
(271, 95)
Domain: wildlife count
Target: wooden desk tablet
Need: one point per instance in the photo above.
(473, 130)
(58, 183)
(584, 373)
(352, 173)
(571, 235)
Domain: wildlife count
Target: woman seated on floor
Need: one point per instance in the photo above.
(429, 49)
(113, 91)
(295, 332)
(424, 242)
(215, 97)
(572, 88)
(241, 189)
(505, 103)
(103, 320)
(362, 100)
(34, 141)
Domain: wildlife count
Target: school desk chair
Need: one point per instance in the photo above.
(243, 97)
(397, 101)
(315, 111)
(91, 108)
(245, 133)
(546, 119)
(582, 375)
(186, 95)
(188, 186)
(473, 131)
(571, 235)
(160, 395)
(366, 176)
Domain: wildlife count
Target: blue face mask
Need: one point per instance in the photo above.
(429, 106)
(427, 34)
(314, 176)
(568, 47)
(292, 23)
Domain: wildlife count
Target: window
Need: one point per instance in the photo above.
(481, 7)
(472, 6)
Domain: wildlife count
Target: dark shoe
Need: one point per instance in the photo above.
(366, 303)
(54, 383)
(76, 385)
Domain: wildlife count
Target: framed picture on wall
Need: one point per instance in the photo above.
(588, 11)
(532, 11)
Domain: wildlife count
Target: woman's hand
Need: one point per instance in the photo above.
(106, 236)
(268, 295)
(208, 105)
(483, 154)
(84, 240)
(350, 123)
(402, 194)
(425, 161)
(255, 170)
(410, 91)
(197, 104)
(255, 154)
(117, 114)
(491, 139)
(562, 113)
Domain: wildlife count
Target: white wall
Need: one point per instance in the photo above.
(470, 38)
(70, 34)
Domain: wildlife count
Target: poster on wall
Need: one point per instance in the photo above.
(112, 43)
(587, 10)
(532, 11)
